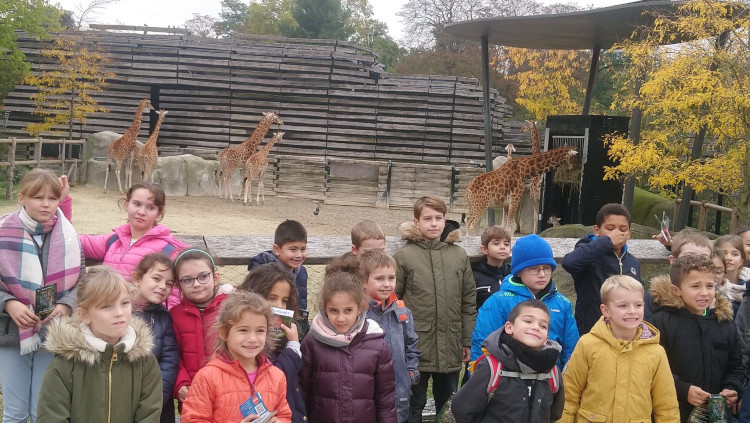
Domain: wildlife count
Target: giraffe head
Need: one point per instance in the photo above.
(527, 126)
(510, 148)
(273, 118)
(145, 105)
(278, 136)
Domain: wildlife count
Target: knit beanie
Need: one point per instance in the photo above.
(529, 251)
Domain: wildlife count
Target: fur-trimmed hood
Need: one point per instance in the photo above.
(664, 296)
(72, 340)
(410, 233)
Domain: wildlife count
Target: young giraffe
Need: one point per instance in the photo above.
(124, 147)
(535, 186)
(500, 160)
(256, 166)
(230, 158)
(147, 155)
(504, 186)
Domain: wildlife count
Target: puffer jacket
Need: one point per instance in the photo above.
(195, 337)
(702, 350)
(591, 262)
(222, 385)
(349, 384)
(495, 311)
(434, 279)
(90, 379)
(290, 363)
(488, 278)
(510, 402)
(166, 352)
(398, 324)
(643, 385)
(300, 274)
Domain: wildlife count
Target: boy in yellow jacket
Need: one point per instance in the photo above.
(618, 372)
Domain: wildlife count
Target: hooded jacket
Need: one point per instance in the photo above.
(351, 384)
(300, 274)
(434, 279)
(488, 278)
(290, 363)
(611, 380)
(88, 377)
(591, 262)
(495, 311)
(702, 350)
(222, 386)
(510, 402)
(398, 324)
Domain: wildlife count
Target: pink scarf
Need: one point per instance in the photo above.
(322, 330)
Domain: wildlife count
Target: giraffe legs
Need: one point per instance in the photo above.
(117, 173)
(106, 174)
(510, 219)
(261, 188)
(248, 185)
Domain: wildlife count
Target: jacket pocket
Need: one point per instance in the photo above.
(641, 420)
(590, 416)
(422, 326)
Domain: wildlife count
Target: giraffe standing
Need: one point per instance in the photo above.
(124, 148)
(535, 187)
(500, 160)
(148, 153)
(504, 186)
(256, 166)
(230, 158)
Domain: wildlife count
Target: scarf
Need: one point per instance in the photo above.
(322, 330)
(531, 360)
(23, 269)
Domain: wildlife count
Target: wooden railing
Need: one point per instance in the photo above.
(734, 214)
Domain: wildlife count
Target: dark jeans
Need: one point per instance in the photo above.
(443, 386)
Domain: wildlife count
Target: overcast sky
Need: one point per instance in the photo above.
(176, 12)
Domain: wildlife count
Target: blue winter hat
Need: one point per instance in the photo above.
(531, 250)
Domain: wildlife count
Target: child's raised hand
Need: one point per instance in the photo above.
(697, 396)
(667, 242)
(65, 187)
(618, 239)
(291, 332)
(182, 393)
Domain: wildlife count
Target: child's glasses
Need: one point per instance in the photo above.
(202, 278)
(540, 270)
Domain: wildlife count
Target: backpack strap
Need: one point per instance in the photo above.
(168, 249)
(111, 240)
(554, 380)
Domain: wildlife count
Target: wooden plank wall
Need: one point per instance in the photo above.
(334, 97)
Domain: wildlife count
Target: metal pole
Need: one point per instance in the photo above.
(487, 115)
(592, 77)
(635, 135)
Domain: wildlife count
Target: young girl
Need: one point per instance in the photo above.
(732, 249)
(729, 290)
(103, 368)
(348, 372)
(154, 279)
(198, 280)
(240, 367)
(274, 283)
(123, 250)
(39, 250)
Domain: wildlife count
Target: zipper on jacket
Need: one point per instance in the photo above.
(109, 399)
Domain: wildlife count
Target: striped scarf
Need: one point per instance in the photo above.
(21, 267)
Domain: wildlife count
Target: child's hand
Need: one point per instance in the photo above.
(182, 393)
(697, 396)
(618, 239)
(60, 310)
(291, 332)
(65, 187)
(730, 395)
(667, 242)
(252, 417)
(467, 354)
(23, 317)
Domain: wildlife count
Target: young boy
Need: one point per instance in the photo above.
(701, 344)
(379, 271)
(289, 249)
(433, 278)
(367, 235)
(619, 369)
(489, 272)
(532, 264)
(598, 256)
(524, 391)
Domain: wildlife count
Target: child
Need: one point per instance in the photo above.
(348, 374)
(598, 256)
(379, 272)
(744, 234)
(103, 368)
(701, 344)
(367, 235)
(239, 368)
(489, 272)
(433, 278)
(274, 283)
(734, 256)
(154, 279)
(142, 235)
(524, 390)
(723, 286)
(532, 264)
(198, 279)
(39, 250)
(618, 371)
(289, 249)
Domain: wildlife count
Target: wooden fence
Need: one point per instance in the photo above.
(704, 207)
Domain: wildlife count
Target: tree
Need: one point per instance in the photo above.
(201, 25)
(271, 17)
(701, 85)
(35, 17)
(233, 15)
(85, 14)
(66, 90)
(321, 19)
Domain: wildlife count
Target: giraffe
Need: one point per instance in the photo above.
(148, 153)
(256, 166)
(500, 160)
(230, 158)
(124, 148)
(535, 186)
(504, 186)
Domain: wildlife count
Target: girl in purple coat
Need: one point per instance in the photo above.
(348, 373)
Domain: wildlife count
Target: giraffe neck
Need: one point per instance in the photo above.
(534, 139)
(544, 162)
(155, 134)
(135, 127)
(266, 148)
(257, 136)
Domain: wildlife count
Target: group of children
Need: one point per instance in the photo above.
(386, 325)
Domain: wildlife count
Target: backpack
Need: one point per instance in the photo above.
(496, 371)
